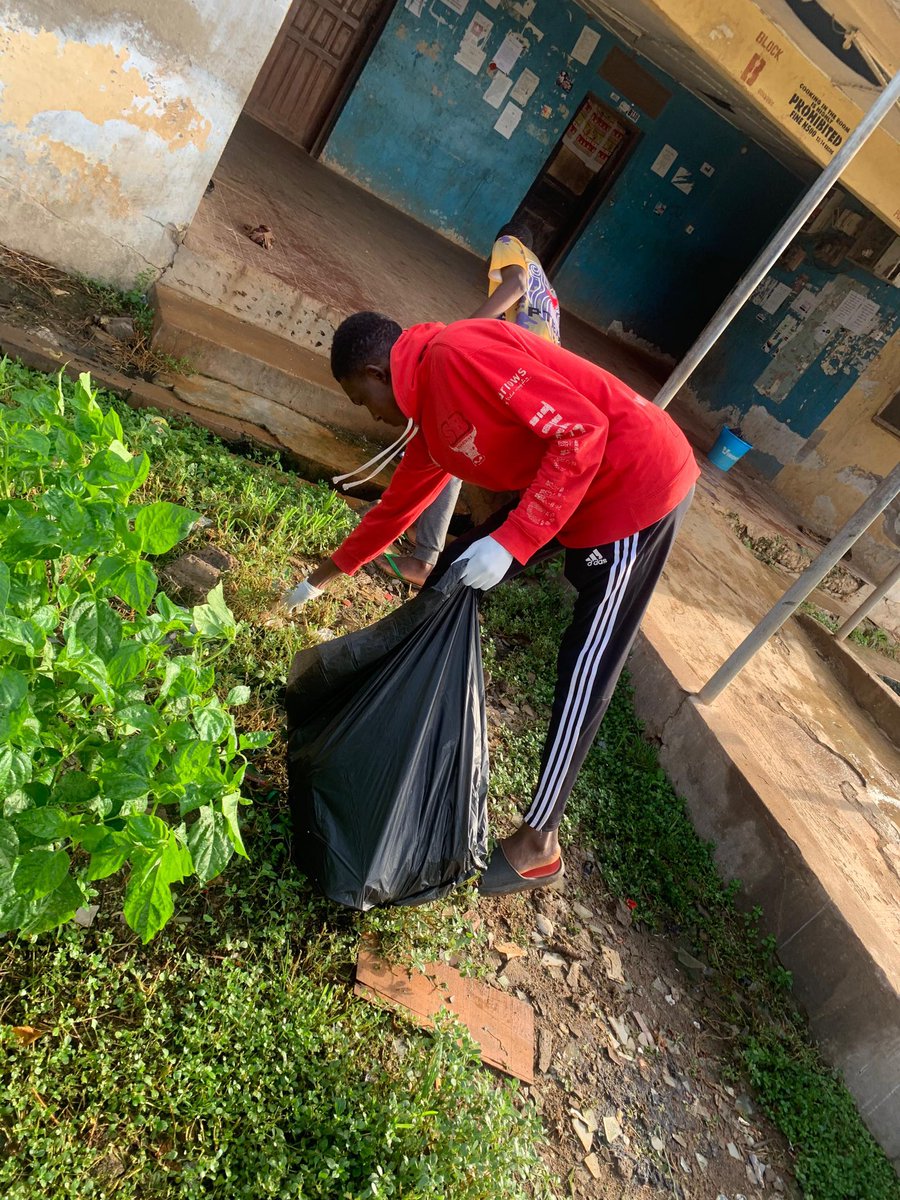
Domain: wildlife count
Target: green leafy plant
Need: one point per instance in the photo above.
(115, 751)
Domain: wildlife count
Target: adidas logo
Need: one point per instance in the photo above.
(595, 559)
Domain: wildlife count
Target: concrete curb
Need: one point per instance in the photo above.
(878, 700)
(851, 1004)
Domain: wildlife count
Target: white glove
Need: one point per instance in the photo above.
(486, 564)
(299, 595)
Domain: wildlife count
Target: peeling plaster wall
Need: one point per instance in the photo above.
(112, 122)
(840, 465)
(654, 259)
(789, 359)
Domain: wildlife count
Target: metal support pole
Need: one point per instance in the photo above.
(867, 605)
(797, 593)
(775, 247)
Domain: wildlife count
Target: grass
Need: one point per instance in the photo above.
(229, 1059)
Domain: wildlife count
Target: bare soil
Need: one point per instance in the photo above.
(70, 314)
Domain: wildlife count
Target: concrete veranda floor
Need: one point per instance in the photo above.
(350, 251)
(824, 774)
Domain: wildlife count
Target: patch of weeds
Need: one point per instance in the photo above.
(134, 302)
(446, 930)
(114, 302)
(867, 633)
(236, 1075)
(648, 851)
(777, 551)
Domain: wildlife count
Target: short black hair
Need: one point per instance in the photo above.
(517, 229)
(363, 338)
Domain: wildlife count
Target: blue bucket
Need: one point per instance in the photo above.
(728, 449)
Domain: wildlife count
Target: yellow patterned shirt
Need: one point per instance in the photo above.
(538, 308)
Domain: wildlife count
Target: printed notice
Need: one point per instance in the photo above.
(525, 85)
(770, 295)
(805, 302)
(496, 93)
(458, 6)
(586, 45)
(664, 160)
(815, 118)
(472, 52)
(508, 54)
(508, 120)
(415, 7)
(470, 57)
(856, 312)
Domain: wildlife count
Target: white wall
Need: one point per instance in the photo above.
(112, 122)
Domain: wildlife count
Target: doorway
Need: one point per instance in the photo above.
(575, 178)
(314, 62)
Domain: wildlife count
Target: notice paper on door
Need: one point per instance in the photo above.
(586, 45)
(496, 93)
(508, 120)
(415, 7)
(507, 56)
(458, 6)
(664, 160)
(525, 85)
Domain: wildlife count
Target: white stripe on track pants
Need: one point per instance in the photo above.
(614, 585)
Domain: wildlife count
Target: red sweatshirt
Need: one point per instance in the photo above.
(501, 408)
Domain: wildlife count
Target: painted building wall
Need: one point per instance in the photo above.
(784, 71)
(799, 347)
(111, 122)
(419, 132)
(844, 460)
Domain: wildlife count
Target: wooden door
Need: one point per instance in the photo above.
(574, 179)
(315, 59)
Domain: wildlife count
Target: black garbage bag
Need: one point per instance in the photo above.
(387, 753)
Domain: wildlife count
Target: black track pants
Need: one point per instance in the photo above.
(614, 585)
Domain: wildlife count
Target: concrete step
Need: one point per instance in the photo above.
(216, 277)
(224, 347)
(316, 450)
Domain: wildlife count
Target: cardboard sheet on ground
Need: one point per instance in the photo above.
(502, 1026)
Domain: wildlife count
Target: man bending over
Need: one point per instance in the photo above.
(603, 477)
